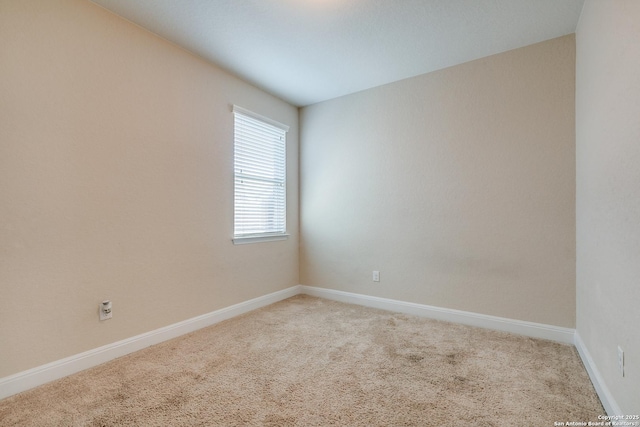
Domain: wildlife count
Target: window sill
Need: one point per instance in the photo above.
(242, 240)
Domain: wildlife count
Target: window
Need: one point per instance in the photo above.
(260, 178)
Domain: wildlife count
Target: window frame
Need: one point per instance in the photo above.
(271, 125)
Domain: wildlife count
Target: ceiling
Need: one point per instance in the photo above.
(307, 51)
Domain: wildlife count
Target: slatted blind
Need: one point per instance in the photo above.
(260, 175)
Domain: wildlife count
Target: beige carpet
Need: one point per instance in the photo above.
(312, 362)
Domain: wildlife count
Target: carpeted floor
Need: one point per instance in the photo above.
(312, 362)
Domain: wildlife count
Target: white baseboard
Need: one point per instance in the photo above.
(520, 327)
(61, 368)
(609, 403)
(58, 369)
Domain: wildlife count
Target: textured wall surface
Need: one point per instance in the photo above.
(608, 192)
(116, 181)
(458, 186)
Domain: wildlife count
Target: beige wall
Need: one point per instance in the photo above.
(116, 182)
(458, 186)
(608, 192)
(116, 155)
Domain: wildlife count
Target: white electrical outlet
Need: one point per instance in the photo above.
(105, 310)
(621, 361)
(376, 276)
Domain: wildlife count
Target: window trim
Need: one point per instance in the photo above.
(266, 236)
(249, 113)
(257, 238)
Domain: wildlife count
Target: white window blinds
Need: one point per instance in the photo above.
(260, 175)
